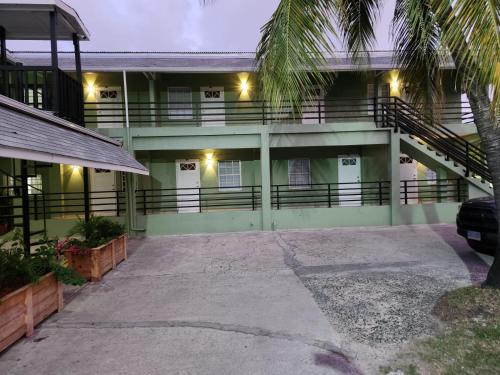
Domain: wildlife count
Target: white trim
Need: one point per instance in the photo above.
(15, 153)
(218, 177)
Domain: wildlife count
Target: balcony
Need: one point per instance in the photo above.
(37, 87)
(115, 114)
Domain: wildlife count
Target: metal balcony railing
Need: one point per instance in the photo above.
(331, 194)
(34, 85)
(201, 199)
(198, 113)
(433, 191)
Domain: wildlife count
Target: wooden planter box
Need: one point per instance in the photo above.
(100, 260)
(23, 309)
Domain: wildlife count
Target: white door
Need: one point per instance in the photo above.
(408, 173)
(212, 109)
(109, 107)
(313, 107)
(349, 180)
(102, 192)
(187, 174)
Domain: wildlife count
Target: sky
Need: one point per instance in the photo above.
(178, 25)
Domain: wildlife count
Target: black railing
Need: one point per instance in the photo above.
(198, 199)
(330, 194)
(227, 112)
(144, 114)
(34, 85)
(433, 191)
(400, 115)
(109, 202)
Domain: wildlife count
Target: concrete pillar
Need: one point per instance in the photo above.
(152, 101)
(395, 151)
(443, 188)
(265, 171)
(130, 179)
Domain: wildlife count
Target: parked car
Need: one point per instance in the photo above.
(477, 223)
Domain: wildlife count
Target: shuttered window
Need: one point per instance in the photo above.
(299, 174)
(229, 174)
(180, 103)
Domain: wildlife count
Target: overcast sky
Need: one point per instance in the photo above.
(178, 25)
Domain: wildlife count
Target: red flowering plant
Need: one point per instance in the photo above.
(72, 245)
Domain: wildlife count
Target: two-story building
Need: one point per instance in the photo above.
(221, 159)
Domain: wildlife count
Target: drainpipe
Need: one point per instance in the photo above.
(129, 177)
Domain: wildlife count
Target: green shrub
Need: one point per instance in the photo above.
(97, 231)
(17, 270)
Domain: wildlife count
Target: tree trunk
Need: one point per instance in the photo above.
(489, 134)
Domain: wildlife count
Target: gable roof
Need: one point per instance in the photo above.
(31, 134)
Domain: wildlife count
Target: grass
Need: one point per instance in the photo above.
(470, 341)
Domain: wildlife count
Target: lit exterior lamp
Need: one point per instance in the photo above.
(244, 87)
(210, 159)
(395, 85)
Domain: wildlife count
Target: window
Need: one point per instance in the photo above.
(187, 166)
(229, 174)
(349, 161)
(404, 159)
(108, 94)
(299, 174)
(212, 94)
(180, 103)
(35, 184)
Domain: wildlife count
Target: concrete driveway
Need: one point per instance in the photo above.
(291, 302)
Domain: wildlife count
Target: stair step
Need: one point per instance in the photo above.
(35, 232)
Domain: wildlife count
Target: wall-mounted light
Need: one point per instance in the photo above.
(91, 89)
(395, 84)
(244, 87)
(75, 168)
(210, 158)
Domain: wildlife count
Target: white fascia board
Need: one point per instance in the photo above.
(24, 154)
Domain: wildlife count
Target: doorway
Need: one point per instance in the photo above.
(350, 180)
(408, 173)
(187, 174)
(109, 107)
(213, 111)
(103, 186)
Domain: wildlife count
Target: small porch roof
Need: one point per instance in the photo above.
(30, 20)
(31, 134)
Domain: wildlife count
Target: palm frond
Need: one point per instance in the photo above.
(356, 20)
(292, 49)
(471, 30)
(418, 51)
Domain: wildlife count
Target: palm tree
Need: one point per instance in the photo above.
(300, 34)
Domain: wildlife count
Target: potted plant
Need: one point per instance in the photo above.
(94, 247)
(30, 287)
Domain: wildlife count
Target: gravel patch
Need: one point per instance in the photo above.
(378, 307)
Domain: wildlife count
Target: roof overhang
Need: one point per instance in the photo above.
(30, 20)
(165, 62)
(30, 134)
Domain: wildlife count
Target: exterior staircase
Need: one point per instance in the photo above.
(11, 208)
(435, 145)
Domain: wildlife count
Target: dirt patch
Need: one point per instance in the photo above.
(468, 303)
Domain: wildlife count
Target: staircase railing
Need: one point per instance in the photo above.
(396, 113)
(10, 193)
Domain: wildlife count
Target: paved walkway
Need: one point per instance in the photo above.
(291, 302)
